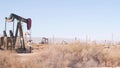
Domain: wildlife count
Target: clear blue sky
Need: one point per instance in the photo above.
(67, 18)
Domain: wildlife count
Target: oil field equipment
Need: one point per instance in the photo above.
(11, 41)
(44, 40)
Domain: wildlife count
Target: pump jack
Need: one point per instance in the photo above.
(18, 29)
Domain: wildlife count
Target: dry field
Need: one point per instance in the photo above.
(73, 55)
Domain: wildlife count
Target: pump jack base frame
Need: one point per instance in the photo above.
(21, 50)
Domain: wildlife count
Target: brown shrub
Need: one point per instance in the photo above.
(74, 55)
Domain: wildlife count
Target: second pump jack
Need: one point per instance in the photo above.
(18, 28)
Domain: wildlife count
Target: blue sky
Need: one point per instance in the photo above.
(67, 18)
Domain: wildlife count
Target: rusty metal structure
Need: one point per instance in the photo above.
(11, 41)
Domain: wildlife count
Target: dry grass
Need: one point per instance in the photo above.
(73, 55)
